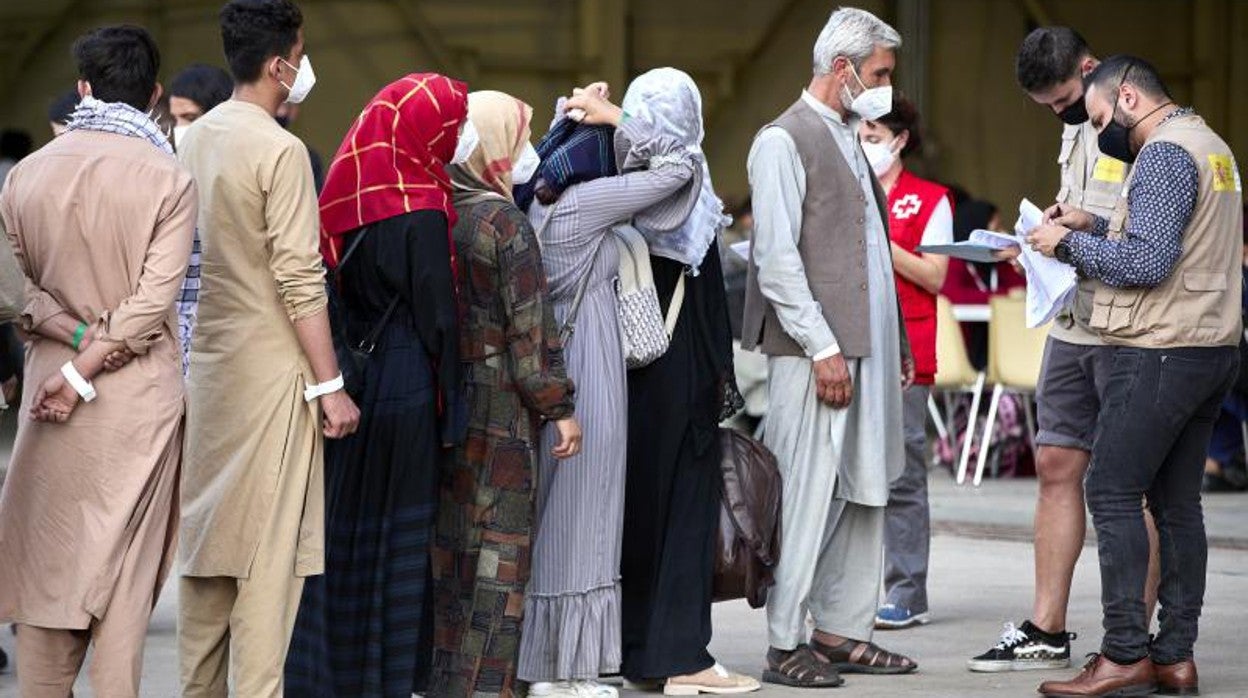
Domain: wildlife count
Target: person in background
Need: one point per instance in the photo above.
(974, 283)
(749, 367)
(919, 213)
(1225, 469)
(517, 385)
(675, 404)
(264, 381)
(88, 515)
(194, 92)
(15, 144)
(1167, 259)
(1050, 67)
(736, 268)
(287, 114)
(606, 169)
(822, 305)
(363, 627)
(60, 110)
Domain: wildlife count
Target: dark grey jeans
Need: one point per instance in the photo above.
(1157, 415)
(907, 521)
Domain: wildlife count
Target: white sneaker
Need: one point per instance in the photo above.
(572, 689)
(593, 689)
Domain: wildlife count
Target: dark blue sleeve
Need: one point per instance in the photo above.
(1160, 203)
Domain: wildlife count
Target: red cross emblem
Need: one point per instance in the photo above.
(906, 206)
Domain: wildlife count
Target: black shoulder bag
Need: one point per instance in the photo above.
(352, 358)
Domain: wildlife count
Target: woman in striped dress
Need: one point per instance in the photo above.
(590, 179)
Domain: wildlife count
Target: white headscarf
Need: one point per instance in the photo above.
(669, 99)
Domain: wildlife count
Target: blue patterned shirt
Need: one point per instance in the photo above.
(1160, 203)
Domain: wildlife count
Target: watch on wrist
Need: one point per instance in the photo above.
(1063, 253)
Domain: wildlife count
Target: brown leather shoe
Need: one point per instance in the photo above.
(1102, 677)
(1178, 679)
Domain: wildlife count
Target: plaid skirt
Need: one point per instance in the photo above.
(363, 630)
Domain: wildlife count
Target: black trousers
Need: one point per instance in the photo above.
(1156, 417)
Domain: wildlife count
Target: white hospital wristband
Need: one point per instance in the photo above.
(80, 385)
(330, 386)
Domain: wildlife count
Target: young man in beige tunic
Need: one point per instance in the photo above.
(101, 223)
(262, 370)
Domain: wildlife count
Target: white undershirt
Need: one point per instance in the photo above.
(939, 230)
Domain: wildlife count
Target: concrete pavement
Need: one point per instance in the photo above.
(975, 586)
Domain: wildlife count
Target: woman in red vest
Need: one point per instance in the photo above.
(919, 213)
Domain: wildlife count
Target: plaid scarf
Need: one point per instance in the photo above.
(570, 153)
(125, 120)
(120, 118)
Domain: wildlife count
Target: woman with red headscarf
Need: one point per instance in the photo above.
(386, 216)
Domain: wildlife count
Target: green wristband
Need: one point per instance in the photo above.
(79, 333)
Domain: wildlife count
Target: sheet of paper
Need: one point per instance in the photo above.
(1050, 283)
(993, 239)
(742, 249)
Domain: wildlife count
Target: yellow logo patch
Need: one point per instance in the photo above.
(1225, 173)
(1109, 170)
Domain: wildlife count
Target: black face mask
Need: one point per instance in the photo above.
(1115, 141)
(1075, 114)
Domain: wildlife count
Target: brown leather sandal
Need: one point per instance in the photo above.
(853, 657)
(800, 668)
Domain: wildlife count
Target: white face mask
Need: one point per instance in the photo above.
(305, 78)
(873, 102)
(468, 140)
(526, 166)
(880, 156)
(178, 133)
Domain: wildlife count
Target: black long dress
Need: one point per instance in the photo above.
(671, 501)
(363, 628)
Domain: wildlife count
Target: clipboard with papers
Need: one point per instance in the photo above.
(981, 246)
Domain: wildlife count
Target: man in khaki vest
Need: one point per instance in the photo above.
(1050, 67)
(1169, 257)
(821, 303)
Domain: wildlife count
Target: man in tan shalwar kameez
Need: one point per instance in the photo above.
(101, 223)
(252, 492)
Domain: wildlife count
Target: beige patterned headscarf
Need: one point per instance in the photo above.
(503, 126)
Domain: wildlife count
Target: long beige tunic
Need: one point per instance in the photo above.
(101, 225)
(247, 421)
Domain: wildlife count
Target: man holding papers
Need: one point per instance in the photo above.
(1050, 66)
(1170, 258)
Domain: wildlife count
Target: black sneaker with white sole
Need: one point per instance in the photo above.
(1025, 648)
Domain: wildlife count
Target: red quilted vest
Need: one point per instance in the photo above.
(910, 206)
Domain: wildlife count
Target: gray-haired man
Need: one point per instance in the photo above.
(822, 305)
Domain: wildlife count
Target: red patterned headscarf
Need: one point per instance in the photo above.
(393, 159)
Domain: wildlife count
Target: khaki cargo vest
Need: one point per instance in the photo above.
(1199, 304)
(833, 246)
(1092, 182)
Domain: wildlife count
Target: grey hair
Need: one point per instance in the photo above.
(854, 34)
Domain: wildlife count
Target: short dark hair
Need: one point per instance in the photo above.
(205, 85)
(1129, 70)
(903, 117)
(62, 108)
(253, 31)
(1048, 56)
(120, 62)
(15, 143)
